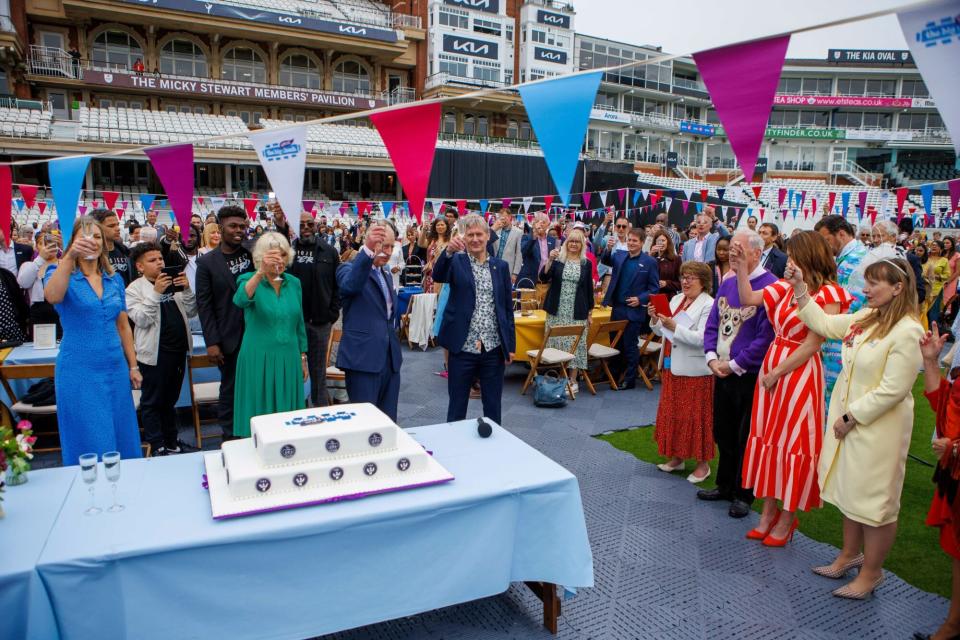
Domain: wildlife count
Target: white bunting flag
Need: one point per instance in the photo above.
(603, 197)
(283, 155)
(645, 193)
(526, 204)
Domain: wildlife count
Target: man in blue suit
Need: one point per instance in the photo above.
(635, 277)
(772, 259)
(477, 326)
(701, 247)
(535, 249)
(369, 352)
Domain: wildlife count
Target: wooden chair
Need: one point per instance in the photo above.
(649, 357)
(333, 373)
(549, 358)
(201, 393)
(602, 353)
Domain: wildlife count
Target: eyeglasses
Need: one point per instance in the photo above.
(688, 278)
(621, 226)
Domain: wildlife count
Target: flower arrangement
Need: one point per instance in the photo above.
(16, 449)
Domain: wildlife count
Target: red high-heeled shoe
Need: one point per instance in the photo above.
(770, 541)
(758, 534)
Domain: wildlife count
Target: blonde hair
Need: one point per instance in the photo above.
(208, 230)
(883, 319)
(103, 260)
(576, 234)
(263, 245)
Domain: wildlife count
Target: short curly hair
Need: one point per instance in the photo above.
(264, 243)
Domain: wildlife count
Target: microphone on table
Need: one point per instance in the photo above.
(484, 428)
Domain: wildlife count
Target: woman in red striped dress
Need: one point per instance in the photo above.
(786, 430)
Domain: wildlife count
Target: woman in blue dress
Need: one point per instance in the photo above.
(97, 364)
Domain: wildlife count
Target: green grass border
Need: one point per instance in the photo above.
(916, 556)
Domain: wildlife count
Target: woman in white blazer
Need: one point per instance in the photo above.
(684, 426)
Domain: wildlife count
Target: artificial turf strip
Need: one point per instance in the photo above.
(916, 556)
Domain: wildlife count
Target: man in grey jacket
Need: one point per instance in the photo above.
(505, 241)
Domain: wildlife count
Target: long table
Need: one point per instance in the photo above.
(164, 568)
(530, 329)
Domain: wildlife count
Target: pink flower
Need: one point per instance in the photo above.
(24, 425)
(31, 440)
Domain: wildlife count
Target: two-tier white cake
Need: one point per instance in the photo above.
(316, 455)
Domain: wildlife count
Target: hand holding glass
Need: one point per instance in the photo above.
(275, 246)
(88, 471)
(111, 468)
(86, 230)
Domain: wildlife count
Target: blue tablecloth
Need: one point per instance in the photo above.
(163, 568)
(31, 510)
(403, 299)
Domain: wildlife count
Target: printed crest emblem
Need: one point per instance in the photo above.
(300, 479)
(375, 439)
(288, 450)
(336, 473)
(403, 464)
(333, 445)
(263, 485)
(108, 78)
(370, 468)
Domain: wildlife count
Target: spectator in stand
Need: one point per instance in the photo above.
(865, 235)
(221, 319)
(96, 352)
(569, 299)
(162, 337)
(138, 67)
(936, 272)
(25, 234)
(735, 341)
(505, 243)
(784, 445)
(133, 235)
(634, 278)
(701, 247)
(272, 362)
(720, 265)
(943, 394)
(211, 237)
(772, 259)
(865, 447)
(752, 223)
(117, 253)
(620, 226)
(535, 250)
(13, 254)
(31, 277)
(151, 219)
(149, 235)
(684, 424)
(668, 263)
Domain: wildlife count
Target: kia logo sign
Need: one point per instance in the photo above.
(549, 55)
(553, 19)
(470, 47)
(354, 31)
(288, 19)
(487, 6)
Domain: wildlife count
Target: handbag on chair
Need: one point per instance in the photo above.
(549, 390)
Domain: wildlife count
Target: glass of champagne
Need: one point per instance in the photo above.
(86, 230)
(88, 471)
(111, 469)
(275, 246)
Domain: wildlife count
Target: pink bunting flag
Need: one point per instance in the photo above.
(585, 196)
(684, 205)
(830, 200)
(250, 204)
(781, 196)
(82, 209)
(174, 167)
(462, 207)
(806, 213)
(954, 187)
(862, 200)
(29, 194)
(410, 135)
(6, 203)
(505, 203)
(95, 204)
(42, 206)
(813, 206)
(742, 80)
(901, 198)
(119, 213)
(873, 216)
(124, 204)
(547, 202)
(308, 206)
(704, 193)
(110, 199)
(621, 195)
(653, 199)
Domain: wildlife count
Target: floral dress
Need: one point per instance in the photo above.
(568, 293)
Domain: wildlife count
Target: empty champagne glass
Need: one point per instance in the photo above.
(275, 246)
(86, 230)
(88, 471)
(111, 469)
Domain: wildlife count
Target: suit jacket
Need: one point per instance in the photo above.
(369, 342)
(512, 254)
(776, 262)
(457, 314)
(709, 249)
(222, 321)
(583, 300)
(646, 280)
(530, 250)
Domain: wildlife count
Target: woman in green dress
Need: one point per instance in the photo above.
(272, 364)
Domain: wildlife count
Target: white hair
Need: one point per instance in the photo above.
(264, 243)
(474, 220)
(148, 234)
(541, 216)
(887, 229)
(753, 239)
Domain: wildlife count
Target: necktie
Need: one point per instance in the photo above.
(387, 296)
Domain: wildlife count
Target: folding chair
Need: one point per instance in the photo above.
(24, 410)
(602, 353)
(333, 373)
(550, 358)
(201, 393)
(649, 352)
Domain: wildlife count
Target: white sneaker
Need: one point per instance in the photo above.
(576, 387)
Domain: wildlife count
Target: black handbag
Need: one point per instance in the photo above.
(41, 394)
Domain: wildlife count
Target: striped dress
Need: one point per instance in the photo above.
(786, 427)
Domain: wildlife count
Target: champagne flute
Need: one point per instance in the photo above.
(275, 246)
(86, 230)
(111, 468)
(88, 471)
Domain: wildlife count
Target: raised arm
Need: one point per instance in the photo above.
(748, 297)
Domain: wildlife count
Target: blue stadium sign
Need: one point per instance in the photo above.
(697, 128)
(549, 55)
(553, 19)
(470, 47)
(270, 17)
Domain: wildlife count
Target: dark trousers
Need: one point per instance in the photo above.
(732, 406)
(228, 375)
(158, 400)
(462, 370)
(629, 347)
(380, 389)
(318, 335)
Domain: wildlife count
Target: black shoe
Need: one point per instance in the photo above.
(921, 636)
(160, 452)
(182, 447)
(713, 495)
(626, 385)
(739, 509)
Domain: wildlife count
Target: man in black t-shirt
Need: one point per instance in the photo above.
(118, 254)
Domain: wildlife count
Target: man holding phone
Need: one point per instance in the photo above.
(160, 305)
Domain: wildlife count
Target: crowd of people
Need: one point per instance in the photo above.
(791, 358)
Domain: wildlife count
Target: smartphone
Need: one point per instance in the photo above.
(173, 272)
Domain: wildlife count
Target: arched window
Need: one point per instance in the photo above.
(116, 49)
(350, 77)
(243, 64)
(298, 70)
(449, 123)
(183, 58)
(513, 130)
(469, 125)
(483, 129)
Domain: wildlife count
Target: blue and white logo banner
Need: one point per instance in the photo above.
(933, 33)
(283, 155)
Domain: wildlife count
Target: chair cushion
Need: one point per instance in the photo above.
(36, 409)
(602, 351)
(333, 372)
(206, 392)
(551, 356)
(653, 347)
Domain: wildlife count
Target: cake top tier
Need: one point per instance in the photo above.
(305, 424)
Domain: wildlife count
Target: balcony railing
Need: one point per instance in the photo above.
(443, 78)
(489, 140)
(693, 85)
(557, 5)
(49, 61)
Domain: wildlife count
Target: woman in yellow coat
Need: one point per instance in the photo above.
(870, 420)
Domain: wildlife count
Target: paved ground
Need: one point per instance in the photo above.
(666, 565)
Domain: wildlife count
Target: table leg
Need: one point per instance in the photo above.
(547, 593)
